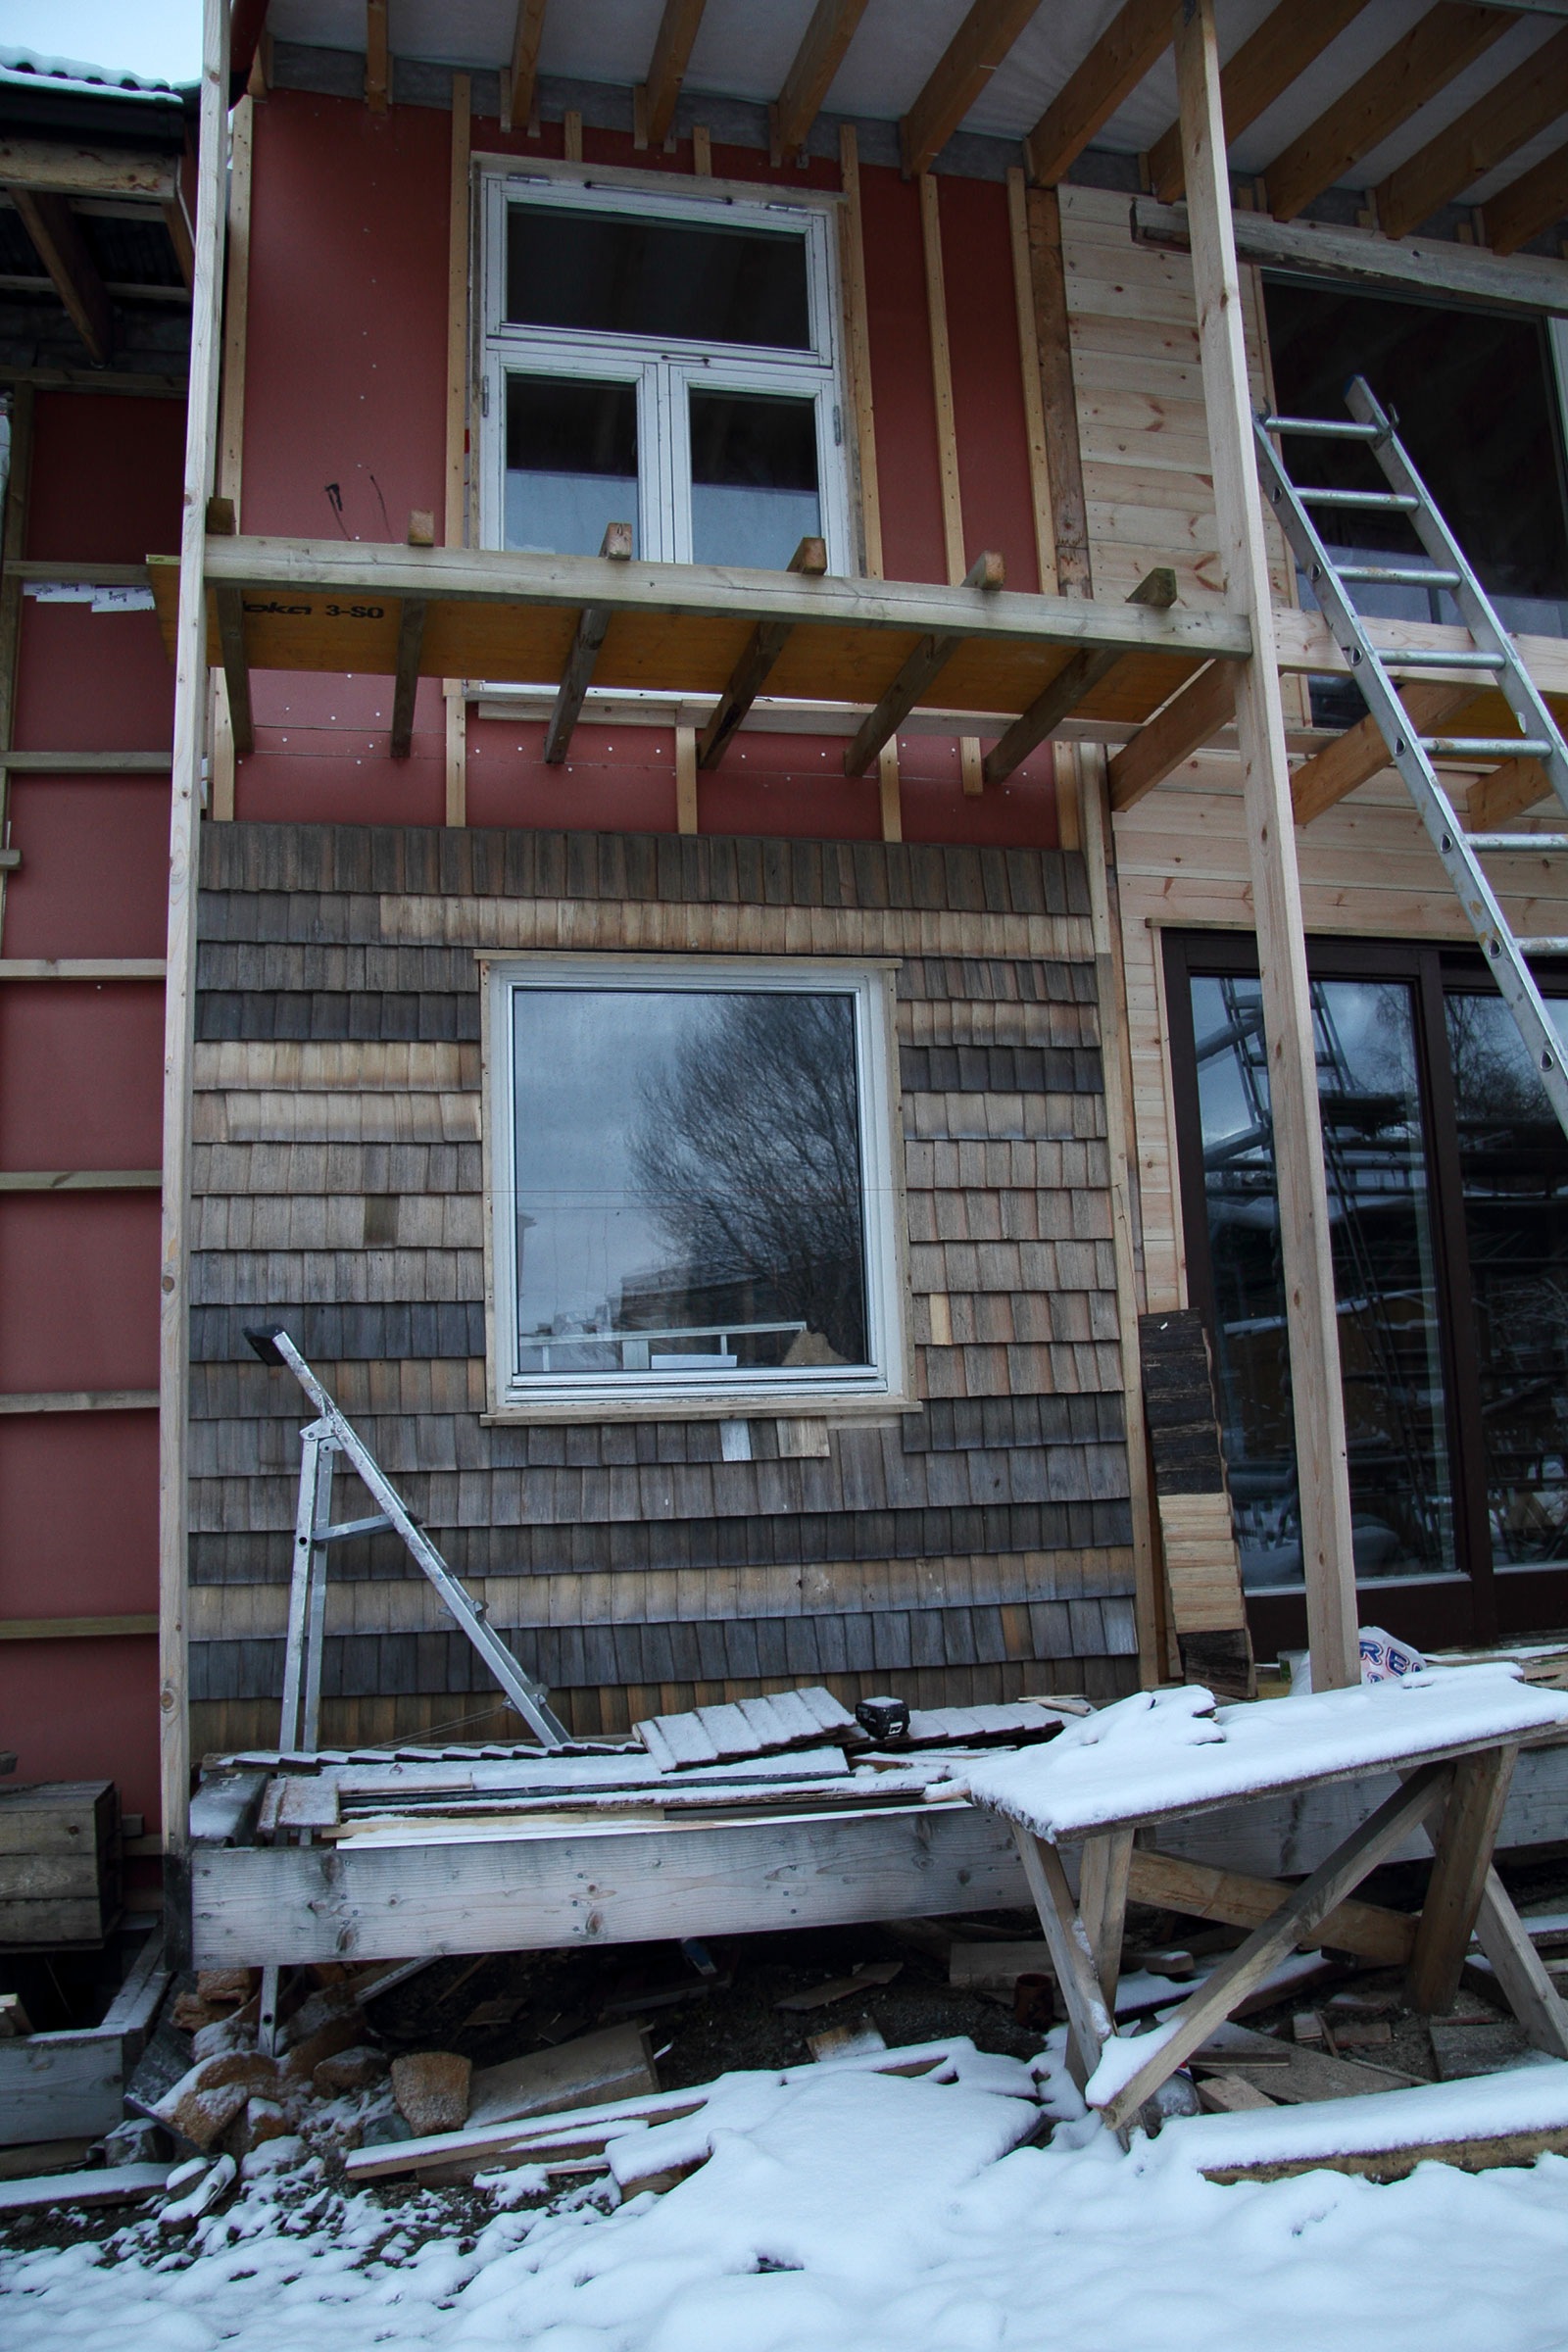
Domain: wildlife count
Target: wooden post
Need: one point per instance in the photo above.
(1322, 1467)
(457, 497)
(12, 539)
(231, 413)
(179, 995)
(936, 300)
(685, 779)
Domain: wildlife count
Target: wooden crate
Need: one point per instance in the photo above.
(60, 1874)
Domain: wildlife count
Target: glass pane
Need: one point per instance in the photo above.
(619, 273)
(753, 478)
(571, 463)
(689, 1183)
(1380, 1214)
(1478, 411)
(1513, 1166)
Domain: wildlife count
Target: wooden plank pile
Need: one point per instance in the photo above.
(59, 1875)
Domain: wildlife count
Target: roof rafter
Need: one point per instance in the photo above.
(1263, 68)
(666, 70)
(1496, 126)
(1114, 67)
(1448, 38)
(960, 73)
(1529, 204)
(526, 36)
(821, 51)
(60, 245)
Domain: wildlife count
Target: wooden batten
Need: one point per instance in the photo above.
(232, 408)
(936, 299)
(459, 244)
(857, 350)
(13, 539)
(190, 711)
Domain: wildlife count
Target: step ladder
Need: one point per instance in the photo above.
(320, 1445)
(1494, 657)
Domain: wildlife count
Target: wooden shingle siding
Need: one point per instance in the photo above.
(960, 1555)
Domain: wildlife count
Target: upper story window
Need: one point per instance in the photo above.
(667, 361)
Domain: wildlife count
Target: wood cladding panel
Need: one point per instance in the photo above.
(338, 1174)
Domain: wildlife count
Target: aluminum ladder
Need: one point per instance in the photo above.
(325, 1438)
(1494, 656)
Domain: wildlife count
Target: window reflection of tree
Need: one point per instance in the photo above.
(1514, 1166)
(747, 1149)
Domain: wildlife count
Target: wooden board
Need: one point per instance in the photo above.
(254, 1906)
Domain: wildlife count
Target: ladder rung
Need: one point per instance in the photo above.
(1395, 575)
(1524, 843)
(1400, 501)
(1325, 427)
(347, 1528)
(1541, 947)
(1433, 657)
(1487, 747)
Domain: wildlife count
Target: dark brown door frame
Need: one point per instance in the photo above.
(1478, 1604)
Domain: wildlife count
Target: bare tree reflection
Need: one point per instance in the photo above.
(747, 1149)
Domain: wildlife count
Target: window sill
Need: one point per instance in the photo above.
(706, 1408)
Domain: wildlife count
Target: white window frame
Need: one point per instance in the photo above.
(665, 372)
(887, 1382)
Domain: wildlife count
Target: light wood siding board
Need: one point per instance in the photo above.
(337, 1181)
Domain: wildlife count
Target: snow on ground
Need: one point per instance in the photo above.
(847, 2211)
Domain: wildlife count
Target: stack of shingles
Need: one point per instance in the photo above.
(750, 1726)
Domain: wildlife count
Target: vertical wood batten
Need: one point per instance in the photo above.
(1322, 1461)
(231, 413)
(13, 542)
(936, 299)
(190, 708)
(458, 394)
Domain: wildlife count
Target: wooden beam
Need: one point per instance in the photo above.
(178, 224)
(230, 604)
(857, 347)
(455, 519)
(1448, 38)
(666, 70)
(1103, 1902)
(1427, 266)
(1361, 753)
(1199, 1891)
(1090, 2021)
(60, 245)
(1034, 400)
(930, 656)
(1526, 102)
(82, 967)
(1069, 687)
(890, 796)
(1461, 1863)
(593, 625)
(231, 407)
(1058, 393)
(377, 58)
(63, 168)
(750, 674)
(1191, 719)
(80, 1180)
(524, 88)
(1306, 1242)
(1297, 1921)
(1133, 44)
(1508, 790)
(81, 1401)
(823, 50)
(179, 995)
(76, 1629)
(1520, 1971)
(686, 779)
(13, 539)
(975, 51)
(1528, 205)
(1263, 69)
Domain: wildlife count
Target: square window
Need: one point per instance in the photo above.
(663, 360)
(691, 1182)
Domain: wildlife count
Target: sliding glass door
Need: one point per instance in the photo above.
(1447, 1185)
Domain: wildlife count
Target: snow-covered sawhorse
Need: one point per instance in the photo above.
(1451, 1735)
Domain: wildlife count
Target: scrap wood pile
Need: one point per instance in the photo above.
(798, 1749)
